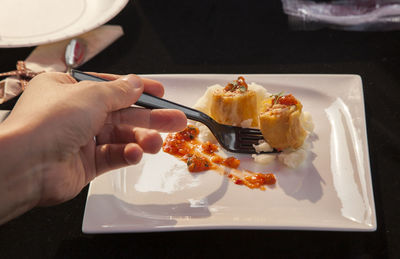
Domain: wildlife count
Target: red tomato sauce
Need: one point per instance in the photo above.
(197, 163)
(201, 156)
(287, 100)
(237, 85)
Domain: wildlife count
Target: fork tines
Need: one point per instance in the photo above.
(248, 137)
(250, 134)
(250, 131)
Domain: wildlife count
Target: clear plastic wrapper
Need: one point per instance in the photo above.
(375, 15)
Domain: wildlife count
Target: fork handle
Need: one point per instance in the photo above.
(150, 101)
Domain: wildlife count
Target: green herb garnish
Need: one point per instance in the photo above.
(277, 96)
(237, 85)
(242, 89)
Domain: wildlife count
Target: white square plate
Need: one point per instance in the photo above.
(331, 190)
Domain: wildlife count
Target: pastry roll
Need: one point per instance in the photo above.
(280, 122)
(234, 104)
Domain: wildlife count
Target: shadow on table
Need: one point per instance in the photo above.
(224, 244)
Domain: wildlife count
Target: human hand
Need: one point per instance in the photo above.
(61, 119)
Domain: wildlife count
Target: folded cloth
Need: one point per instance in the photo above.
(50, 58)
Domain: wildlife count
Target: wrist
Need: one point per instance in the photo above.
(20, 171)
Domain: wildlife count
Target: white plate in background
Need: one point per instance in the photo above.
(26, 23)
(332, 190)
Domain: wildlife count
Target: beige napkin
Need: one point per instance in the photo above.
(50, 57)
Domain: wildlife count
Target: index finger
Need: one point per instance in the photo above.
(163, 120)
(152, 87)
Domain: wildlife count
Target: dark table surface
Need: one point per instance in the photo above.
(233, 37)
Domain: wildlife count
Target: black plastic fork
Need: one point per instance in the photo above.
(231, 138)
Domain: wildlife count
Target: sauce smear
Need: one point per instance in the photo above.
(201, 156)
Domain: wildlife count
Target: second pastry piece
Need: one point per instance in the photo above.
(280, 122)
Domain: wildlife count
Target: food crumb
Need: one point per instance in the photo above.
(263, 158)
(262, 146)
(294, 158)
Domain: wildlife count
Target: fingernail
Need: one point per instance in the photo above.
(133, 80)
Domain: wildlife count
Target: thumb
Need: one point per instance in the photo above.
(120, 93)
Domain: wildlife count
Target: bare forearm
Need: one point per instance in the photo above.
(19, 173)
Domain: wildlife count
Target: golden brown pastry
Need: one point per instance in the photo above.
(280, 122)
(234, 104)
